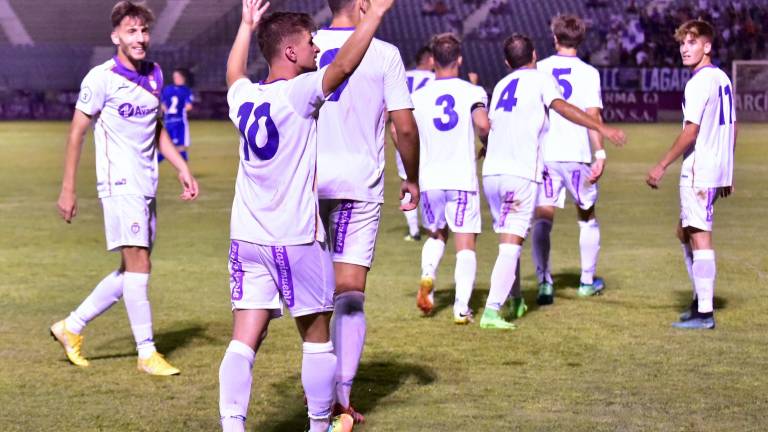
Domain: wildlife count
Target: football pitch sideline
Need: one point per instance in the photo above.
(603, 363)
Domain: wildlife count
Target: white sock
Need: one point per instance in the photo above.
(464, 275)
(235, 378)
(106, 293)
(411, 216)
(503, 275)
(704, 272)
(318, 370)
(348, 332)
(589, 244)
(431, 254)
(688, 258)
(139, 312)
(540, 249)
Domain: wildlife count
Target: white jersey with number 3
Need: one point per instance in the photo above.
(352, 122)
(580, 84)
(443, 111)
(275, 198)
(709, 104)
(518, 114)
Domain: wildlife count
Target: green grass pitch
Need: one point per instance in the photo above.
(607, 363)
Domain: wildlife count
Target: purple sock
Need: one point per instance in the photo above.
(235, 385)
(540, 248)
(348, 337)
(318, 367)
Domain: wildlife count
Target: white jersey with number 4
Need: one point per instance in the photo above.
(352, 122)
(580, 84)
(418, 78)
(709, 103)
(443, 111)
(275, 198)
(518, 114)
(127, 103)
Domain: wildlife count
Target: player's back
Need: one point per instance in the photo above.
(351, 127)
(580, 84)
(275, 202)
(709, 103)
(418, 78)
(518, 115)
(443, 111)
(175, 99)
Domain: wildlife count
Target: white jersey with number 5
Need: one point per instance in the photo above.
(709, 103)
(352, 122)
(518, 114)
(580, 84)
(275, 197)
(443, 111)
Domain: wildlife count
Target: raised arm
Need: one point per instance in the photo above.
(353, 50)
(237, 63)
(67, 203)
(683, 142)
(576, 115)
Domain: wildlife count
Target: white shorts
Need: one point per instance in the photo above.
(697, 206)
(460, 210)
(351, 227)
(129, 220)
(573, 176)
(299, 277)
(512, 200)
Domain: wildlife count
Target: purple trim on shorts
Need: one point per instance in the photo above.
(236, 270)
(284, 278)
(342, 224)
(427, 208)
(461, 208)
(711, 194)
(549, 191)
(576, 182)
(506, 207)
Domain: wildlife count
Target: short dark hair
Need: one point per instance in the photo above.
(446, 49)
(130, 9)
(422, 53)
(695, 28)
(337, 5)
(277, 27)
(518, 50)
(569, 30)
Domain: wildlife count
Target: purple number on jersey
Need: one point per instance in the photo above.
(325, 60)
(249, 137)
(453, 117)
(727, 91)
(564, 83)
(507, 100)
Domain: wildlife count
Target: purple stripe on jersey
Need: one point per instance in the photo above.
(342, 224)
(338, 28)
(284, 278)
(549, 191)
(461, 208)
(149, 76)
(427, 208)
(506, 207)
(576, 182)
(235, 271)
(711, 194)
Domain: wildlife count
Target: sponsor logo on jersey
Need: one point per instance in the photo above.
(127, 110)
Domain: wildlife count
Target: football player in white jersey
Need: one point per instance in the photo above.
(447, 111)
(568, 160)
(513, 167)
(417, 78)
(707, 144)
(276, 260)
(350, 172)
(122, 95)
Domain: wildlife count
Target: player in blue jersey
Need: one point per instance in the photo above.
(177, 100)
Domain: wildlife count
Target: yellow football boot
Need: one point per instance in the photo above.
(156, 365)
(71, 343)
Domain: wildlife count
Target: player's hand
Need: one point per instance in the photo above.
(381, 6)
(654, 176)
(412, 189)
(253, 10)
(189, 184)
(67, 205)
(725, 191)
(616, 136)
(596, 170)
(473, 77)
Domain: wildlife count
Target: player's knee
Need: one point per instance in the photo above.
(136, 259)
(544, 212)
(349, 285)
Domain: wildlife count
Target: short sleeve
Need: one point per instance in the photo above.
(92, 93)
(190, 97)
(479, 97)
(695, 101)
(550, 90)
(396, 94)
(594, 97)
(305, 92)
(237, 91)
